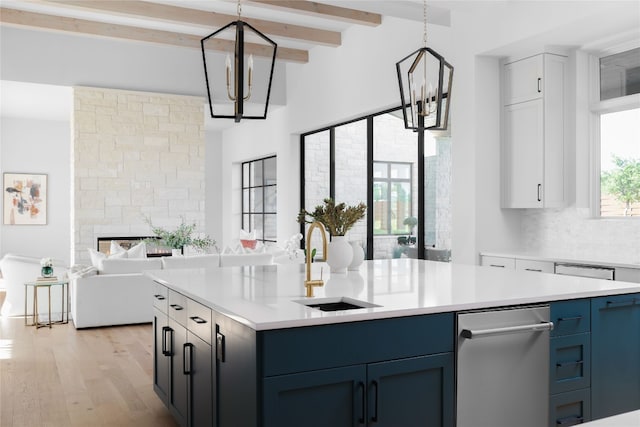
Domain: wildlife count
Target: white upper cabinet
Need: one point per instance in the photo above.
(533, 136)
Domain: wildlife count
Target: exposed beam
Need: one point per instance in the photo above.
(324, 11)
(165, 12)
(59, 23)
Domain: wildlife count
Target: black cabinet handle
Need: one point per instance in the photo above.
(534, 269)
(539, 190)
(176, 307)
(198, 319)
(628, 302)
(374, 385)
(187, 369)
(220, 353)
(563, 364)
(539, 86)
(574, 420)
(166, 351)
(496, 265)
(362, 400)
(566, 319)
(159, 297)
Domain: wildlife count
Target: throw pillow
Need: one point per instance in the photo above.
(96, 258)
(248, 244)
(115, 248)
(138, 251)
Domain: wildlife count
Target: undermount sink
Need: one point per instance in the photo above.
(336, 304)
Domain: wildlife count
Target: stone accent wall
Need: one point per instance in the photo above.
(134, 154)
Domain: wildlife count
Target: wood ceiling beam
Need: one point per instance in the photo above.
(59, 23)
(168, 13)
(321, 10)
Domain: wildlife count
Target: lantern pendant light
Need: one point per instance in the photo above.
(425, 78)
(229, 102)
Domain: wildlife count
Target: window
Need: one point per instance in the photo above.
(391, 197)
(259, 198)
(617, 113)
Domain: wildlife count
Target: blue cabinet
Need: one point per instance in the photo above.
(615, 337)
(406, 392)
(570, 363)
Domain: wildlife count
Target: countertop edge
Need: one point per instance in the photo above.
(559, 259)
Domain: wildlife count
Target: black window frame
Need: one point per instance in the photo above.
(246, 211)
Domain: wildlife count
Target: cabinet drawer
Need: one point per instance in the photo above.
(570, 409)
(570, 363)
(160, 297)
(570, 317)
(199, 320)
(178, 307)
(497, 261)
(531, 265)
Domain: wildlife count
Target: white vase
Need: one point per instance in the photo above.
(358, 256)
(176, 252)
(340, 254)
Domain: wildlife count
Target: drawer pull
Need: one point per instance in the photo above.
(570, 420)
(177, 307)
(563, 364)
(632, 301)
(534, 269)
(496, 265)
(566, 319)
(198, 319)
(159, 297)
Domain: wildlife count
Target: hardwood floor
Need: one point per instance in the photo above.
(67, 377)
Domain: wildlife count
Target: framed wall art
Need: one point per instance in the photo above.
(25, 199)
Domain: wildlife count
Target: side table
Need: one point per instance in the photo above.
(36, 285)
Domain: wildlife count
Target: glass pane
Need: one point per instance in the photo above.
(246, 225)
(351, 171)
(380, 170)
(270, 199)
(620, 163)
(245, 201)
(400, 171)
(256, 224)
(256, 199)
(620, 74)
(437, 198)
(380, 208)
(396, 148)
(245, 175)
(270, 171)
(256, 173)
(270, 229)
(316, 169)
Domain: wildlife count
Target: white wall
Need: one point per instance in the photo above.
(39, 146)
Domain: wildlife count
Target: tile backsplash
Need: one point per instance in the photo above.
(573, 232)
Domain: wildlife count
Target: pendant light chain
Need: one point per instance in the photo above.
(239, 10)
(424, 39)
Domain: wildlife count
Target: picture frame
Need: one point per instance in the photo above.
(25, 198)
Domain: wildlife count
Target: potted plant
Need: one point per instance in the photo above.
(180, 237)
(338, 220)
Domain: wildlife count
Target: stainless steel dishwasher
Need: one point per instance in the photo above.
(581, 270)
(503, 367)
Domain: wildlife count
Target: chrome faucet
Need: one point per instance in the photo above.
(309, 284)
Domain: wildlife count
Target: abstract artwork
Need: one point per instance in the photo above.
(25, 199)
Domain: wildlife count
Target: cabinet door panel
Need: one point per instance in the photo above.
(178, 395)
(201, 397)
(570, 365)
(523, 80)
(497, 261)
(523, 154)
(161, 362)
(570, 409)
(411, 392)
(329, 397)
(615, 340)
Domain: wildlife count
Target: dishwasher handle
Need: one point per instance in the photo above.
(536, 327)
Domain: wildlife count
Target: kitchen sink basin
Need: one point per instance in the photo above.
(336, 304)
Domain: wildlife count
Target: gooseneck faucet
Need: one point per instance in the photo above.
(309, 284)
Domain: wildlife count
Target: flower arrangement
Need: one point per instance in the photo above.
(180, 237)
(337, 218)
(46, 267)
(46, 262)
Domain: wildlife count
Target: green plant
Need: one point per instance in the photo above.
(180, 237)
(338, 219)
(623, 182)
(410, 221)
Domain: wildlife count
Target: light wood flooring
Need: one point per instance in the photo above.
(67, 377)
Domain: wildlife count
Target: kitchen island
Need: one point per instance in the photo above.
(275, 361)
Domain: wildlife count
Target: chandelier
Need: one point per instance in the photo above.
(425, 77)
(243, 79)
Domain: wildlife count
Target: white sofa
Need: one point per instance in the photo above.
(16, 271)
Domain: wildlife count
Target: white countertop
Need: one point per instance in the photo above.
(628, 419)
(570, 258)
(263, 297)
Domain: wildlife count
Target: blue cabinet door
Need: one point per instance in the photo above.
(615, 341)
(178, 393)
(328, 397)
(570, 408)
(161, 360)
(418, 391)
(570, 364)
(201, 390)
